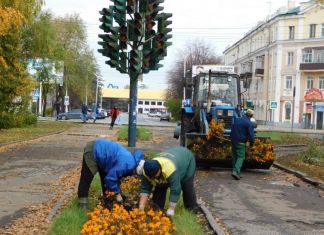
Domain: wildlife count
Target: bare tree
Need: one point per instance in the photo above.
(195, 53)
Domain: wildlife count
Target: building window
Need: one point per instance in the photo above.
(288, 82)
(147, 102)
(287, 111)
(321, 83)
(312, 30)
(322, 34)
(310, 81)
(291, 32)
(153, 103)
(290, 58)
(159, 103)
(140, 102)
(307, 56)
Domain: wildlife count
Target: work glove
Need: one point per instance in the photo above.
(170, 212)
(119, 198)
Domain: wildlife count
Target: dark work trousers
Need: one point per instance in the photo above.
(86, 179)
(113, 119)
(188, 194)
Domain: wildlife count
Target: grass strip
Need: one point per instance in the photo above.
(33, 131)
(142, 134)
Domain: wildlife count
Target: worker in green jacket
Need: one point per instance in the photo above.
(174, 169)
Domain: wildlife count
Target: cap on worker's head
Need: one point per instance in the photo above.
(140, 167)
(138, 155)
(249, 112)
(151, 168)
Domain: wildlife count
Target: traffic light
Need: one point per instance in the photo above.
(138, 24)
(106, 19)
(110, 48)
(158, 44)
(153, 9)
(123, 37)
(130, 6)
(135, 61)
(120, 11)
(164, 31)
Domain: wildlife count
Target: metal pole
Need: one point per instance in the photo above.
(293, 110)
(97, 91)
(184, 79)
(86, 98)
(40, 99)
(132, 114)
(66, 94)
(209, 92)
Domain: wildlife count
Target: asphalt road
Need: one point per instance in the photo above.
(142, 119)
(262, 202)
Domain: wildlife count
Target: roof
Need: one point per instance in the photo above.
(143, 94)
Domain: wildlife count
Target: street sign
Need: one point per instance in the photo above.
(273, 104)
(66, 100)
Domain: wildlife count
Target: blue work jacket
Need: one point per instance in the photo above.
(242, 130)
(115, 161)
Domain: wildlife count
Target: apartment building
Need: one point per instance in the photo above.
(282, 62)
(147, 100)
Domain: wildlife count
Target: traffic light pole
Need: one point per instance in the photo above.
(132, 114)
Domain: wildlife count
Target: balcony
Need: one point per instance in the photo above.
(313, 59)
(259, 72)
(311, 66)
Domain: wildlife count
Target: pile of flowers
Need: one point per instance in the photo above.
(261, 151)
(120, 221)
(215, 146)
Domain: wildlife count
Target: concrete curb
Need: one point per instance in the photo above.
(317, 183)
(215, 227)
(60, 202)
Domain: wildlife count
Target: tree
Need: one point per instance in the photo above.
(15, 82)
(80, 66)
(195, 53)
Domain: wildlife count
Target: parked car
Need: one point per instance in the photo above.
(165, 117)
(72, 114)
(76, 114)
(154, 114)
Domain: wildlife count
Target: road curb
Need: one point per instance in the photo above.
(211, 220)
(317, 183)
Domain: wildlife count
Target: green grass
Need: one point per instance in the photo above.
(284, 138)
(142, 134)
(33, 131)
(71, 218)
(314, 169)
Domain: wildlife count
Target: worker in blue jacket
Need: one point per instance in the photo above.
(242, 131)
(112, 161)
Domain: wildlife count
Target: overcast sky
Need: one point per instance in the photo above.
(219, 23)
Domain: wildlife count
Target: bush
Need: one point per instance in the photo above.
(49, 112)
(314, 153)
(6, 121)
(174, 107)
(12, 120)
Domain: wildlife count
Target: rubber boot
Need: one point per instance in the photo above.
(83, 203)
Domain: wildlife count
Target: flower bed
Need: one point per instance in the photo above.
(119, 221)
(215, 150)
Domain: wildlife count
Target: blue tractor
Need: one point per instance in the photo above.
(216, 95)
